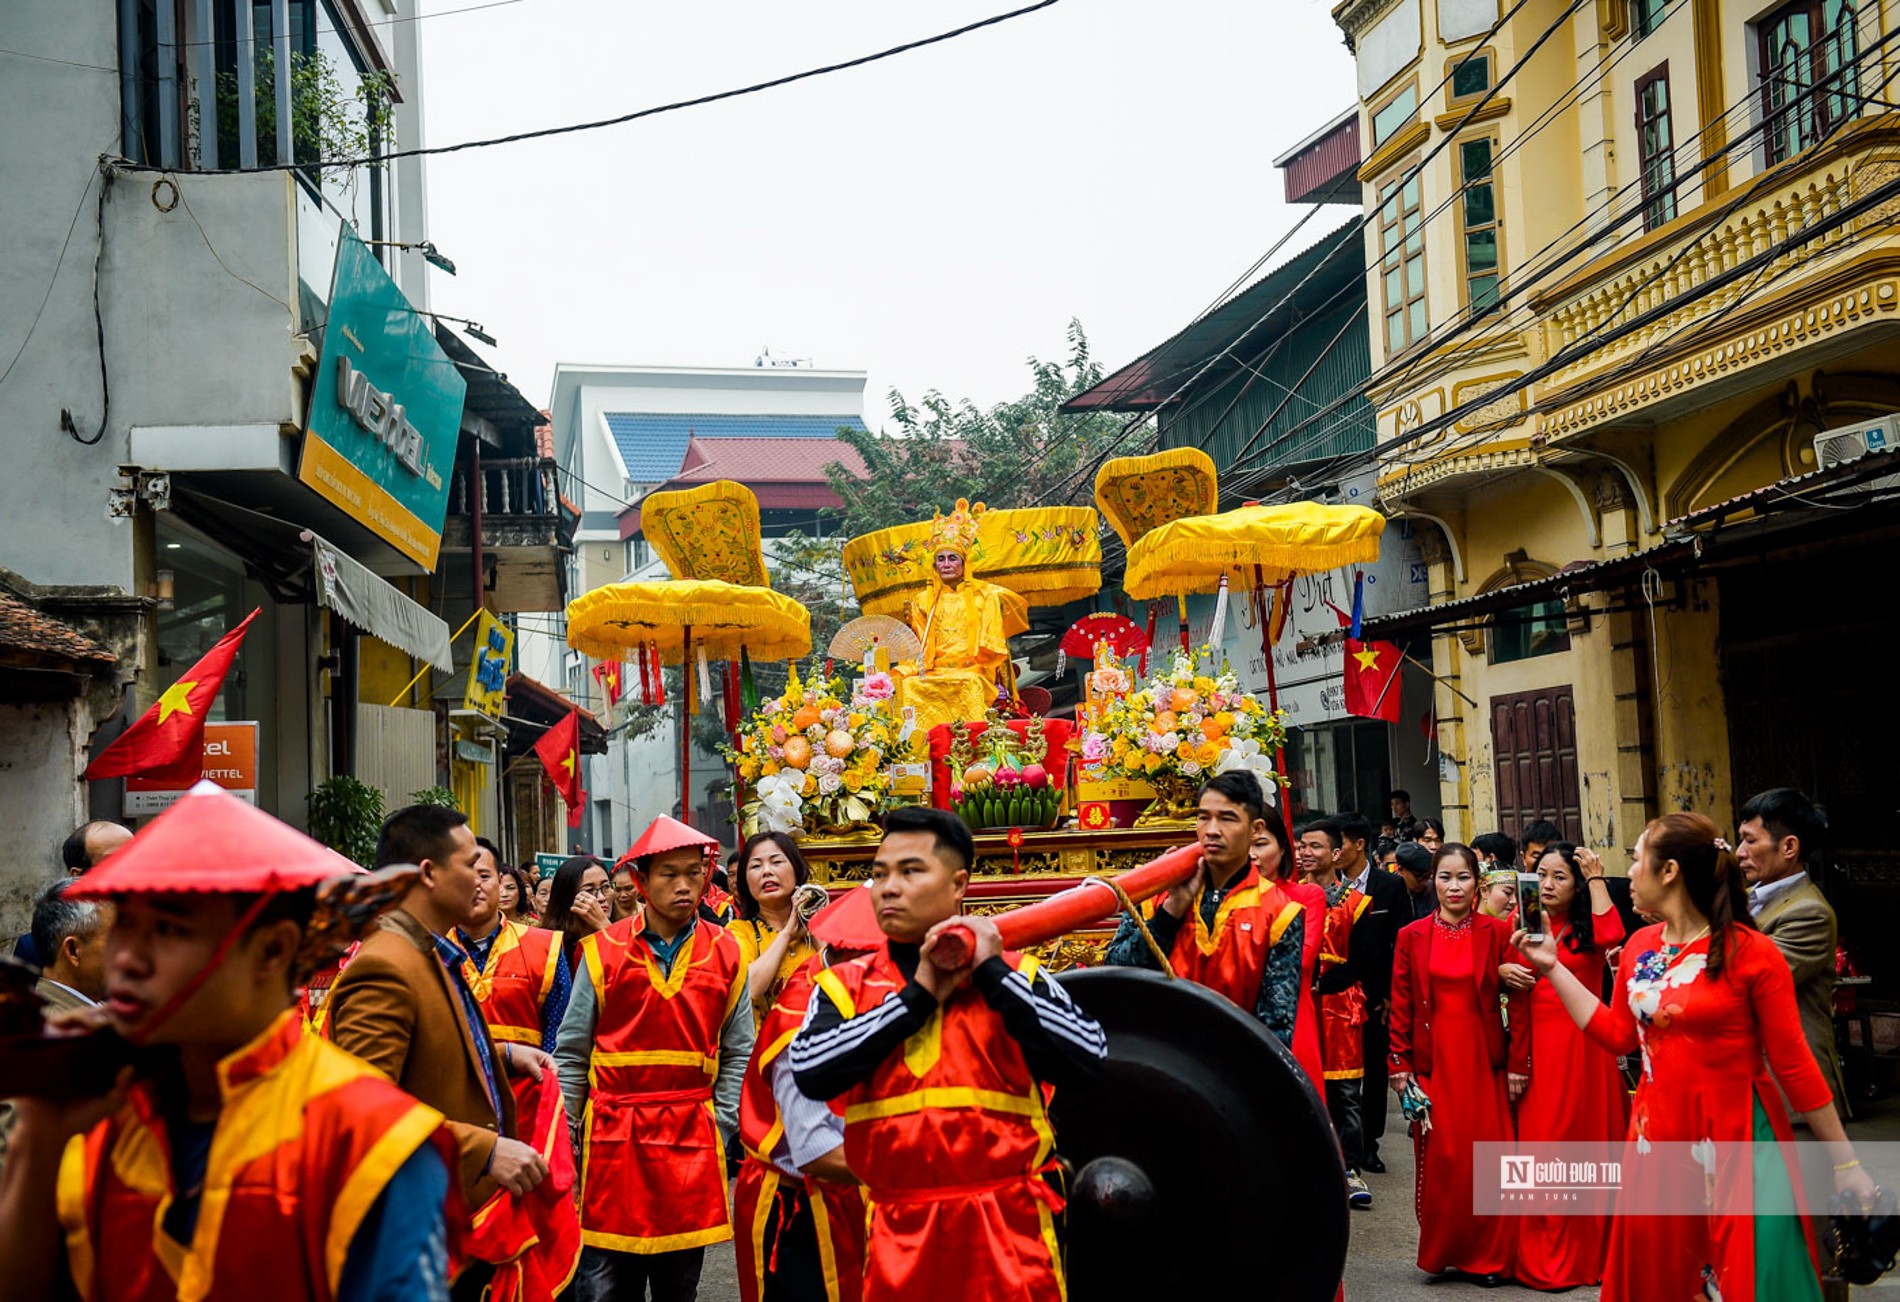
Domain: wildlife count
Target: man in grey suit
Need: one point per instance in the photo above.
(1779, 836)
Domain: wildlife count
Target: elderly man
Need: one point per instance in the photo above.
(84, 849)
(1778, 837)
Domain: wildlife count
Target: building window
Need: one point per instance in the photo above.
(1480, 222)
(1393, 114)
(1402, 265)
(1809, 82)
(1471, 76)
(1646, 16)
(1529, 631)
(1655, 148)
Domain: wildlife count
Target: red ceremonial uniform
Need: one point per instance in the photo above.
(1708, 1043)
(1306, 1045)
(1231, 957)
(534, 1241)
(951, 1137)
(307, 1139)
(1575, 1095)
(653, 1174)
(837, 1211)
(513, 985)
(1342, 1014)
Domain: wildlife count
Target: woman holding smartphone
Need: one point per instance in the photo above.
(1710, 1002)
(1575, 1094)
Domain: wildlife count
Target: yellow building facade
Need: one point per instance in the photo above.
(1629, 262)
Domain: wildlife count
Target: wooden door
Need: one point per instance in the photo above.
(1534, 740)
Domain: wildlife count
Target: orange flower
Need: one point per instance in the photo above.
(1164, 723)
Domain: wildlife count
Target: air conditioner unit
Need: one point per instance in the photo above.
(1837, 447)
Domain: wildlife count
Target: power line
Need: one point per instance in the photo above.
(1358, 228)
(697, 101)
(1444, 364)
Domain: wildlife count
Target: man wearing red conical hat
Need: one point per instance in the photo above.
(659, 1027)
(964, 624)
(252, 1159)
(797, 1209)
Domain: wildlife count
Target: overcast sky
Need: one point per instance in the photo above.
(934, 219)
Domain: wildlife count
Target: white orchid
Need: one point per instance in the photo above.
(781, 808)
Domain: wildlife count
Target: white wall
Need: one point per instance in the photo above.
(59, 120)
(40, 798)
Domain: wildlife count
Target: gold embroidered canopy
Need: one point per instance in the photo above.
(1137, 494)
(723, 618)
(1047, 555)
(708, 532)
(1268, 543)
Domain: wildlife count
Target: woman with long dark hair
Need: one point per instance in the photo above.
(771, 934)
(1710, 1002)
(1575, 1094)
(1275, 861)
(578, 902)
(517, 905)
(1448, 1037)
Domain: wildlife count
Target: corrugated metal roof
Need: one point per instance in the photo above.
(653, 444)
(1150, 379)
(1326, 170)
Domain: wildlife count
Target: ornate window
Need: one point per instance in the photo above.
(1646, 16)
(1402, 263)
(1810, 83)
(1656, 148)
(1478, 222)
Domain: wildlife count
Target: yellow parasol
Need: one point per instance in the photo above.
(670, 623)
(720, 619)
(708, 532)
(1265, 546)
(1138, 494)
(1257, 545)
(1047, 556)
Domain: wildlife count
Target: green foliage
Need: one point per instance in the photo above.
(1019, 453)
(435, 796)
(347, 815)
(328, 120)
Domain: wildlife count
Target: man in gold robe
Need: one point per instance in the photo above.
(964, 625)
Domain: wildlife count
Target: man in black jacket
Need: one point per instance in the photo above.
(1373, 942)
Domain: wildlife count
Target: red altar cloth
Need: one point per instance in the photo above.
(1056, 732)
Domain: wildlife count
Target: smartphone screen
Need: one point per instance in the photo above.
(1530, 906)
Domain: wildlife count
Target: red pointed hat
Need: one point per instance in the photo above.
(211, 841)
(664, 834)
(848, 922)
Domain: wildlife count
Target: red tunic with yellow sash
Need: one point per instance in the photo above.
(951, 1137)
(1231, 957)
(653, 1172)
(837, 1210)
(308, 1137)
(1342, 1014)
(513, 985)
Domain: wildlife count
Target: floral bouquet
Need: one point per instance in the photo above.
(815, 758)
(1182, 726)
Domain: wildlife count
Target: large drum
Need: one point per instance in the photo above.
(1205, 1163)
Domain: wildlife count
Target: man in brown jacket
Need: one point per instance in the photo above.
(403, 1005)
(1779, 836)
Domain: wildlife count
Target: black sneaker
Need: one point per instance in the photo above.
(1373, 1165)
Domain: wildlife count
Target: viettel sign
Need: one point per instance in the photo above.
(385, 410)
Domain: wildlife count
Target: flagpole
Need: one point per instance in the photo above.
(1273, 699)
(686, 731)
(1436, 679)
(427, 667)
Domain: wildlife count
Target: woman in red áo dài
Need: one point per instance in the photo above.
(1448, 1033)
(1575, 1095)
(1710, 1002)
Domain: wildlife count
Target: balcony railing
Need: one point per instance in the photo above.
(1780, 210)
(520, 506)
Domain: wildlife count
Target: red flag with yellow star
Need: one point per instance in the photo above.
(1372, 668)
(559, 751)
(166, 743)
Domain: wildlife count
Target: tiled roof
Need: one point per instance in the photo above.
(22, 628)
(544, 435)
(755, 461)
(653, 444)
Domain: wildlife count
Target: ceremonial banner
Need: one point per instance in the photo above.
(489, 667)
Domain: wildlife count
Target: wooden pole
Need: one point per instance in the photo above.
(1273, 695)
(686, 734)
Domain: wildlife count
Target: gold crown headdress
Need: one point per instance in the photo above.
(956, 532)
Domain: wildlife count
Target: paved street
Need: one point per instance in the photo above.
(1380, 1266)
